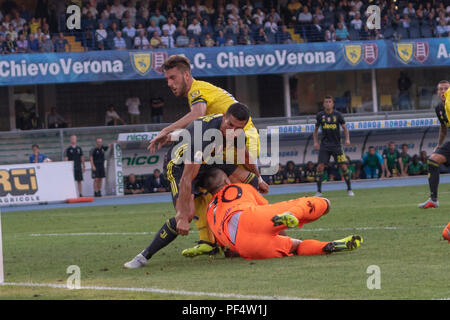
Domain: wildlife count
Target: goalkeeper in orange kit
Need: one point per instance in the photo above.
(243, 221)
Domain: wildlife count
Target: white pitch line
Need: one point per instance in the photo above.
(289, 230)
(154, 290)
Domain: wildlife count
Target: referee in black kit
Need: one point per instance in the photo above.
(97, 159)
(75, 153)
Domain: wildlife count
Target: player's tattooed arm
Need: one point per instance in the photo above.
(185, 202)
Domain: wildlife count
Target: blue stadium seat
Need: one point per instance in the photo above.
(354, 34)
(388, 33)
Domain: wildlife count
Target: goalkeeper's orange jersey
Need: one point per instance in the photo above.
(228, 201)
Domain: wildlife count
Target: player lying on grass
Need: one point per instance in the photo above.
(243, 221)
(184, 164)
(203, 99)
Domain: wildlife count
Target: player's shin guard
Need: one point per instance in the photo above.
(433, 178)
(346, 175)
(311, 247)
(165, 235)
(201, 205)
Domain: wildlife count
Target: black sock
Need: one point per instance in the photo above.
(319, 177)
(164, 236)
(433, 178)
(346, 175)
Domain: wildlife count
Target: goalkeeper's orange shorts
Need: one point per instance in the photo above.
(251, 231)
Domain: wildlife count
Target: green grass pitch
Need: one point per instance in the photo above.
(402, 240)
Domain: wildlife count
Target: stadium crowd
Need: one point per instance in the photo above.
(145, 24)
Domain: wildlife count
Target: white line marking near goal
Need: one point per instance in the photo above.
(289, 230)
(155, 290)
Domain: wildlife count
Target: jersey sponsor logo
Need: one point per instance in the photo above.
(330, 126)
(17, 182)
(353, 53)
(404, 51)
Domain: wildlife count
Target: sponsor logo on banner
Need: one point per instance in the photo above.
(353, 53)
(143, 63)
(18, 182)
(370, 53)
(421, 51)
(404, 51)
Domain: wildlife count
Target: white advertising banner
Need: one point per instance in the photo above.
(34, 183)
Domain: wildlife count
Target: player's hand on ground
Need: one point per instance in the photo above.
(316, 146)
(263, 186)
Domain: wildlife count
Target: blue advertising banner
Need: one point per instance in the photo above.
(41, 68)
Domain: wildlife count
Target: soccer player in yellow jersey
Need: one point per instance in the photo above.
(204, 99)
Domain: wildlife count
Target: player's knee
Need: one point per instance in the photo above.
(438, 158)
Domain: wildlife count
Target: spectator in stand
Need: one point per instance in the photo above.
(55, 120)
(293, 7)
(284, 36)
(38, 157)
(156, 183)
(33, 44)
(261, 37)
(305, 16)
(119, 41)
(104, 21)
(195, 28)
(117, 9)
(158, 18)
(219, 26)
(206, 27)
(316, 31)
(309, 174)
(193, 43)
(356, 23)
(133, 104)
(22, 44)
(291, 173)
(342, 33)
(141, 41)
(12, 33)
(129, 31)
(391, 157)
(373, 164)
(271, 25)
(245, 38)
(167, 40)
(153, 28)
(9, 46)
(220, 39)
(155, 41)
(208, 42)
(100, 36)
(182, 40)
(278, 177)
(415, 167)
(169, 26)
(132, 186)
(405, 159)
(112, 118)
(61, 43)
(47, 45)
(330, 34)
(34, 25)
(260, 16)
(442, 29)
(229, 41)
(130, 7)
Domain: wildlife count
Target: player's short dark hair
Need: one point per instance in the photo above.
(371, 147)
(177, 61)
(34, 145)
(328, 97)
(404, 145)
(239, 111)
(209, 180)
